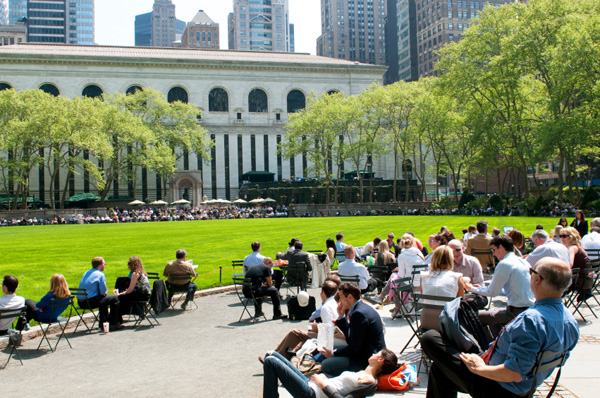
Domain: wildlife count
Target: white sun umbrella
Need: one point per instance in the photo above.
(224, 201)
(136, 203)
(159, 203)
(239, 201)
(270, 200)
(257, 200)
(181, 202)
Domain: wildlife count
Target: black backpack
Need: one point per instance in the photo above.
(297, 313)
(460, 324)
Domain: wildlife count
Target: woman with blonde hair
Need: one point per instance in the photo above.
(440, 281)
(42, 311)
(139, 286)
(409, 256)
(579, 259)
(385, 257)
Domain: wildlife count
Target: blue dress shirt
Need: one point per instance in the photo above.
(94, 281)
(252, 259)
(546, 326)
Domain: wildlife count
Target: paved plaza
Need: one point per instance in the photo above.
(206, 352)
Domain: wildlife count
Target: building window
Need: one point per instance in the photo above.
(266, 152)
(253, 152)
(295, 101)
(50, 89)
(218, 100)
(92, 91)
(177, 94)
(132, 90)
(5, 86)
(257, 101)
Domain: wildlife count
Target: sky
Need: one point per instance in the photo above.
(115, 19)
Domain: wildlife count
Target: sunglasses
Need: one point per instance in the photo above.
(459, 249)
(532, 271)
(564, 236)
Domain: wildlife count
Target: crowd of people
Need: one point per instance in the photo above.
(533, 278)
(93, 293)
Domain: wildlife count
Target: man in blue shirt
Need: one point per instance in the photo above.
(254, 258)
(504, 370)
(511, 278)
(94, 281)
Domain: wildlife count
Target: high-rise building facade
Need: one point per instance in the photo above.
(437, 22)
(201, 32)
(158, 28)
(260, 25)
(3, 12)
(17, 10)
(46, 21)
(353, 30)
(80, 22)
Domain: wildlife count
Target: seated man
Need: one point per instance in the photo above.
(352, 268)
(9, 301)
(262, 285)
(254, 258)
(504, 370)
(363, 328)
(339, 242)
(546, 247)
(470, 268)
(295, 257)
(327, 314)
(370, 247)
(180, 266)
(512, 277)
(591, 241)
(94, 281)
(481, 243)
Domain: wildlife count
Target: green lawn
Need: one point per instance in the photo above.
(34, 253)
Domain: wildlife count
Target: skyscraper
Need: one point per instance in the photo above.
(260, 25)
(47, 21)
(80, 22)
(201, 32)
(161, 24)
(424, 26)
(353, 30)
(3, 12)
(17, 10)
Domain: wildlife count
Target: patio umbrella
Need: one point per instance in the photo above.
(181, 202)
(257, 200)
(270, 200)
(159, 203)
(136, 203)
(240, 201)
(225, 201)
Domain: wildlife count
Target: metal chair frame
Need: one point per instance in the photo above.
(13, 340)
(59, 320)
(172, 288)
(76, 292)
(241, 283)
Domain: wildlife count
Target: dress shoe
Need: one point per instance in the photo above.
(261, 359)
(114, 328)
(279, 316)
(259, 314)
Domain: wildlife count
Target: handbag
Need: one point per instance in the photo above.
(400, 380)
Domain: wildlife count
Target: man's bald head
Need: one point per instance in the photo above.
(349, 251)
(555, 273)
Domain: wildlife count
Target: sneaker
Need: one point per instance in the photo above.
(279, 316)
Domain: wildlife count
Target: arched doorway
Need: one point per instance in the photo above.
(187, 184)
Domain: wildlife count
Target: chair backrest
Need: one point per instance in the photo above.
(180, 278)
(153, 275)
(593, 254)
(340, 256)
(61, 303)
(240, 281)
(79, 293)
(12, 313)
(237, 263)
(349, 278)
(542, 364)
(314, 251)
(430, 301)
(482, 252)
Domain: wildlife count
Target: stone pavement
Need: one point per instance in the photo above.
(206, 352)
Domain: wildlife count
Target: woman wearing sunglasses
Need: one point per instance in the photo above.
(579, 259)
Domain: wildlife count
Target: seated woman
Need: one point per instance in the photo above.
(42, 310)
(139, 287)
(518, 240)
(440, 281)
(385, 258)
(579, 259)
(348, 384)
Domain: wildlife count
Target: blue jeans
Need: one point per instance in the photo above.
(278, 367)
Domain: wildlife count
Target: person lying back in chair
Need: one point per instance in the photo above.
(505, 369)
(180, 266)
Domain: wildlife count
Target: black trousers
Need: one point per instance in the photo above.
(262, 291)
(189, 287)
(448, 374)
(103, 303)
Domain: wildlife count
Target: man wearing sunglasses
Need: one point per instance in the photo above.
(511, 277)
(505, 369)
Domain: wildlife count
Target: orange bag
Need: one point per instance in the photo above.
(396, 381)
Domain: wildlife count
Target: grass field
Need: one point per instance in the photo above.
(34, 253)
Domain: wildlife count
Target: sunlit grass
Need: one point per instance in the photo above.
(34, 253)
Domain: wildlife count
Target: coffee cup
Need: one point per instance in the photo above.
(106, 327)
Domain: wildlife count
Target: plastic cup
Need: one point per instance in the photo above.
(116, 291)
(106, 327)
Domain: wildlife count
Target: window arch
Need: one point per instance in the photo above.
(330, 92)
(218, 100)
(133, 89)
(5, 86)
(92, 91)
(296, 101)
(50, 89)
(177, 94)
(257, 101)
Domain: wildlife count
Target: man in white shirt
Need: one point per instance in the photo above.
(511, 277)
(546, 247)
(9, 301)
(254, 258)
(368, 248)
(352, 268)
(591, 241)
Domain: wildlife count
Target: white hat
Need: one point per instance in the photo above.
(303, 299)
